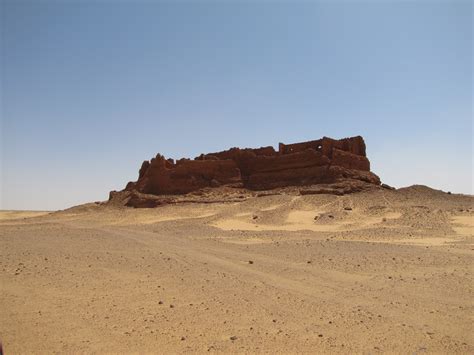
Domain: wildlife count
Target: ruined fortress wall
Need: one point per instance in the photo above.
(349, 160)
(325, 145)
(323, 160)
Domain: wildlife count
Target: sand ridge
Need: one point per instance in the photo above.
(324, 218)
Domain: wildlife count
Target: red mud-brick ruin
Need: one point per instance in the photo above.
(326, 165)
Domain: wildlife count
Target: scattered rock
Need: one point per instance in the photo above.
(233, 338)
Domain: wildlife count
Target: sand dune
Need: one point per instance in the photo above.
(380, 271)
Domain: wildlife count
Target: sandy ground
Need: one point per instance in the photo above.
(9, 215)
(375, 272)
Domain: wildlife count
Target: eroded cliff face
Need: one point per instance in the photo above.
(322, 161)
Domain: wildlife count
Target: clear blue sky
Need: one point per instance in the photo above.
(90, 89)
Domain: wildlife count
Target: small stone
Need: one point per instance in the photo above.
(348, 208)
(160, 302)
(233, 338)
(215, 183)
(320, 335)
(250, 262)
(183, 338)
(171, 306)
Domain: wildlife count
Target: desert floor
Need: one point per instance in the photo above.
(381, 271)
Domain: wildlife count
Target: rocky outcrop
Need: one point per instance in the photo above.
(322, 161)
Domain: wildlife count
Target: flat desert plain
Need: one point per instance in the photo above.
(371, 272)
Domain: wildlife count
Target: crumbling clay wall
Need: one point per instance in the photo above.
(163, 177)
(325, 160)
(325, 145)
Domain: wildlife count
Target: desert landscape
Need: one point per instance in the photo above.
(236, 177)
(341, 266)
